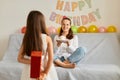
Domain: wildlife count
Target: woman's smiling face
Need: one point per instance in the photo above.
(65, 25)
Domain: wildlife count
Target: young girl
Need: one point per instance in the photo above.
(36, 39)
(67, 52)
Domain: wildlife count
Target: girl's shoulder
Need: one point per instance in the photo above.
(45, 36)
(48, 37)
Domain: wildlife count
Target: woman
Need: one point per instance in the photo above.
(36, 39)
(67, 52)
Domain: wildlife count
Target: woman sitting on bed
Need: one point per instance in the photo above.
(67, 52)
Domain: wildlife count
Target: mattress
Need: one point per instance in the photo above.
(101, 60)
(90, 72)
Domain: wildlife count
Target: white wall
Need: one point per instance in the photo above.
(13, 15)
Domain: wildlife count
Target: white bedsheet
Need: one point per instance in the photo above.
(101, 62)
(10, 70)
(101, 48)
(90, 72)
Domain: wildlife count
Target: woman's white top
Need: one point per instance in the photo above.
(63, 49)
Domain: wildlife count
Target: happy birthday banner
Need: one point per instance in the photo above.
(73, 7)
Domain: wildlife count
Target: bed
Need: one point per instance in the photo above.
(101, 61)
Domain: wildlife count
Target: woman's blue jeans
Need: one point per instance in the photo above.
(75, 57)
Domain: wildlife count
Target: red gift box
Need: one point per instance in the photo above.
(35, 64)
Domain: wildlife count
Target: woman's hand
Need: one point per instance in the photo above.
(67, 43)
(42, 76)
(58, 43)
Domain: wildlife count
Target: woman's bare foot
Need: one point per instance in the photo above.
(56, 64)
(66, 62)
(69, 65)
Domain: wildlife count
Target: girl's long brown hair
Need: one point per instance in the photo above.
(32, 39)
(70, 34)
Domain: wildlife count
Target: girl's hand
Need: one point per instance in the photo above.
(42, 76)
